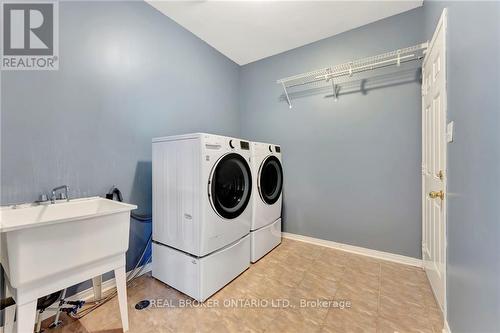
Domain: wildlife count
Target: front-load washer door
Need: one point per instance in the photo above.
(230, 186)
(270, 181)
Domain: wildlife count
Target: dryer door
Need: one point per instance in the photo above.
(270, 180)
(230, 186)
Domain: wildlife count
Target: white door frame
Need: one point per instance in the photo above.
(441, 27)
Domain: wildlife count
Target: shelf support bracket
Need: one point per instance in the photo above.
(334, 86)
(286, 95)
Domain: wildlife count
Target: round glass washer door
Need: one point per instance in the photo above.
(270, 181)
(230, 186)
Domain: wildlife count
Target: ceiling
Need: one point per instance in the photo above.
(246, 31)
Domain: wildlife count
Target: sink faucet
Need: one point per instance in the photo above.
(64, 195)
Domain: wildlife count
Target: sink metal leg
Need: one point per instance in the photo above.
(9, 314)
(26, 317)
(121, 287)
(57, 322)
(97, 286)
(38, 320)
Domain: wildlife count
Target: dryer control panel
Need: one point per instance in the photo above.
(215, 145)
(244, 145)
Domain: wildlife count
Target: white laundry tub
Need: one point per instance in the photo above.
(48, 247)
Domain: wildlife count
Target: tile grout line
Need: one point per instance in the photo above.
(333, 297)
(298, 284)
(336, 291)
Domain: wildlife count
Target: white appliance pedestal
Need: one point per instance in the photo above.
(200, 278)
(264, 240)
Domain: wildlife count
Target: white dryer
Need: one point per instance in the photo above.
(202, 186)
(267, 199)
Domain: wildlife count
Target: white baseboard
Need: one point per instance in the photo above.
(356, 250)
(446, 328)
(88, 294)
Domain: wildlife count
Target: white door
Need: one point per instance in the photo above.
(434, 162)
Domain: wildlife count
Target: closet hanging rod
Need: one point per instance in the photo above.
(396, 57)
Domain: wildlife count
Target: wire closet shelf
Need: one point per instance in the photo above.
(331, 74)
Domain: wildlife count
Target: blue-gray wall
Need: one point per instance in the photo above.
(473, 274)
(352, 167)
(127, 74)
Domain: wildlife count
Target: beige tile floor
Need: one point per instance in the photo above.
(383, 296)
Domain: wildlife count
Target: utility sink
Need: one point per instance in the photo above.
(49, 247)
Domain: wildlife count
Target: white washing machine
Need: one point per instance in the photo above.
(202, 208)
(267, 198)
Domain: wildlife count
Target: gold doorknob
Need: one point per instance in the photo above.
(436, 194)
